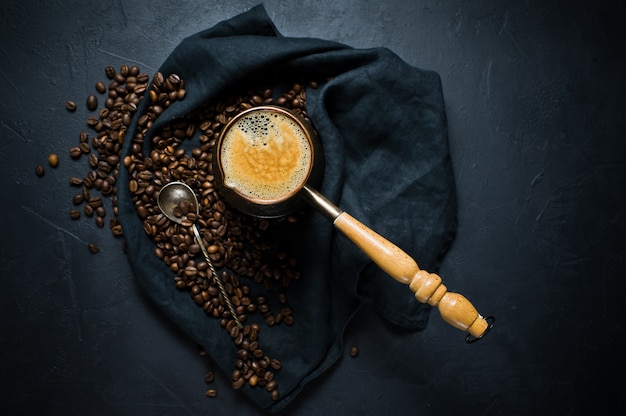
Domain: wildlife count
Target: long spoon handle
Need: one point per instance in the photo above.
(216, 277)
(427, 287)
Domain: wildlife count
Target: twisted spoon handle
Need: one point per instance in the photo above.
(218, 280)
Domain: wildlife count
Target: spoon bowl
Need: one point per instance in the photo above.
(175, 198)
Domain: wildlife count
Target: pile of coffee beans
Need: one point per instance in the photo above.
(255, 272)
(235, 242)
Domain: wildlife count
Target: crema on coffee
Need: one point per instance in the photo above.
(265, 155)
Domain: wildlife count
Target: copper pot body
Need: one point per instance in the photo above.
(262, 156)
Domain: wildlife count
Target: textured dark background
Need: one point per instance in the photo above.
(536, 110)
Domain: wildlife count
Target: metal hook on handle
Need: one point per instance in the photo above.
(470, 339)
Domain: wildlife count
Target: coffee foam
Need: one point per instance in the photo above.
(265, 155)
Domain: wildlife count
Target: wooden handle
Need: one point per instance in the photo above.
(454, 308)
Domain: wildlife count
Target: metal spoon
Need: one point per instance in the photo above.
(169, 199)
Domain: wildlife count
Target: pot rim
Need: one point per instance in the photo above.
(287, 202)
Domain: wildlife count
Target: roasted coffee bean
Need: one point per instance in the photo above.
(282, 298)
(92, 121)
(236, 375)
(113, 160)
(93, 248)
(271, 385)
(106, 187)
(93, 160)
(253, 380)
(84, 148)
(234, 332)
(238, 383)
(109, 72)
(74, 214)
(209, 377)
(95, 201)
(354, 351)
(39, 171)
(78, 199)
(75, 152)
(174, 80)
(70, 105)
(92, 102)
(211, 393)
(53, 160)
(100, 87)
(276, 364)
(101, 211)
(85, 190)
(119, 79)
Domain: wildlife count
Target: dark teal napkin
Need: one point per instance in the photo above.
(383, 127)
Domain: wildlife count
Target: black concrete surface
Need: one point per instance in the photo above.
(536, 111)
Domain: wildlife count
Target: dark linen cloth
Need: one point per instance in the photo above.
(383, 127)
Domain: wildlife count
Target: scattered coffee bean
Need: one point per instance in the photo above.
(354, 351)
(276, 365)
(53, 160)
(93, 248)
(238, 383)
(99, 221)
(39, 171)
(76, 181)
(209, 377)
(92, 102)
(84, 148)
(211, 393)
(100, 87)
(75, 152)
(70, 106)
(253, 380)
(109, 72)
(78, 199)
(74, 214)
(271, 385)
